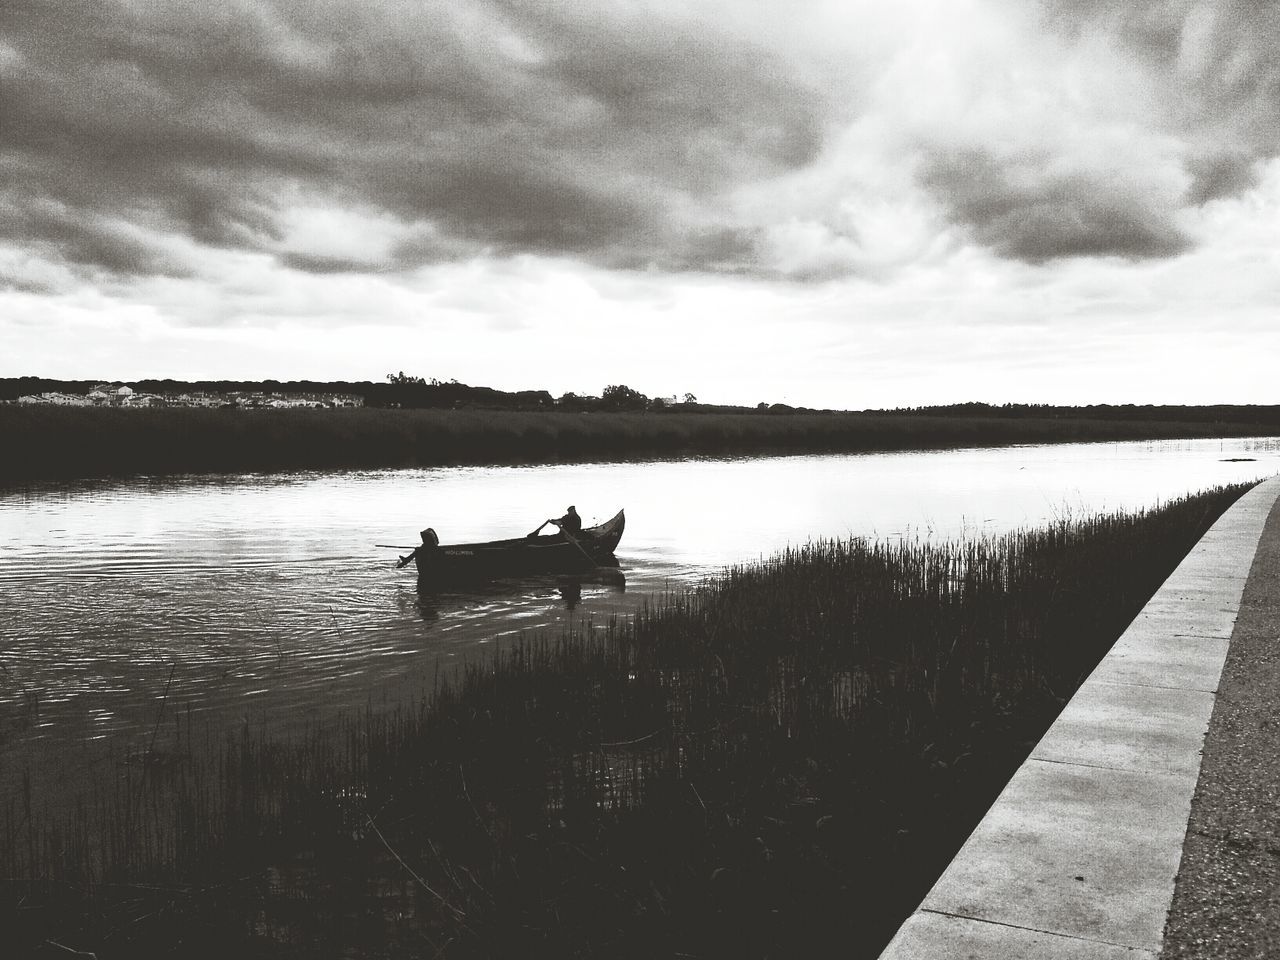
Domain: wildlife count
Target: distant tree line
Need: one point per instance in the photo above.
(401, 389)
(1166, 413)
(407, 391)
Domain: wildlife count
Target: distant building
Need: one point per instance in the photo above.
(194, 400)
(122, 395)
(55, 399)
(144, 400)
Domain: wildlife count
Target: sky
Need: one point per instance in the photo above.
(827, 203)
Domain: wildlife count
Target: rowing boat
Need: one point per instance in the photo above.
(557, 553)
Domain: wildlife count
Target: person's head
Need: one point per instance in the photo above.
(429, 538)
(573, 510)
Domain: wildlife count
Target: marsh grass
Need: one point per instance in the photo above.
(778, 764)
(48, 442)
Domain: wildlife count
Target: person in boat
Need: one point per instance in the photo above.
(428, 550)
(570, 523)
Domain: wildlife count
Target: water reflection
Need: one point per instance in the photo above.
(571, 593)
(435, 599)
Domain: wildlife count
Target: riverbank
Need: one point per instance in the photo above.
(50, 443)
(1078, 856)
(782, 761)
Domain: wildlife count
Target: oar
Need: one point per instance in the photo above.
(404, 561)
(538, 531)
(568, 536)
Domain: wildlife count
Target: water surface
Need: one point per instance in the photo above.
(127, 604)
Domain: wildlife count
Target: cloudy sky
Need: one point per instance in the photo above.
(824, 202)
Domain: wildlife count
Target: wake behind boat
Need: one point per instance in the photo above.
(562, 552)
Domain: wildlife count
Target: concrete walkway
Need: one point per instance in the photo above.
(1226, 903)
(1077, 857)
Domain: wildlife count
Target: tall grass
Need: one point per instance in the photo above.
(67, 442)
(778, 764)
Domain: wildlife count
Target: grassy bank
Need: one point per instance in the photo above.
(776, 765)
(66, 442)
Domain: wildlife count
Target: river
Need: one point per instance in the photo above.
(125, 604)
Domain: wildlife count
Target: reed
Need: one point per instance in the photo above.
(46, 442)
(778, 762)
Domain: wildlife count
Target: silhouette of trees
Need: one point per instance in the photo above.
(622, 397)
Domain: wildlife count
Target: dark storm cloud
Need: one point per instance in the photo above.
(90, 241)
(322, 264)
(1215, 83)
(509, 127)
(1215, 61)
(1027, 213)
(1218, 174)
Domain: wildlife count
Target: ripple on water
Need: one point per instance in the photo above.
(265, 598)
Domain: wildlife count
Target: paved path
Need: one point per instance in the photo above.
(1076, 860)
(1226, 903)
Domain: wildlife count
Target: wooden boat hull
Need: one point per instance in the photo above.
(591, 548)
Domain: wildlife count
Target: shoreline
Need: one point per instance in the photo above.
(61, 443)
(1081, 853)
